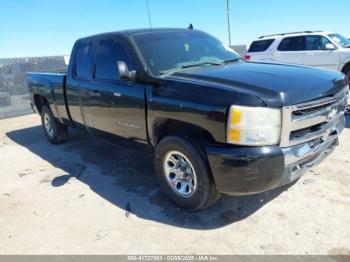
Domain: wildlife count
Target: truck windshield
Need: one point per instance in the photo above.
(340, 40)
(168, 52)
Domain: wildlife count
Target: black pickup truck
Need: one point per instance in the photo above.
(216, 123)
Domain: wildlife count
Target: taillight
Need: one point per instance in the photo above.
(247, 57)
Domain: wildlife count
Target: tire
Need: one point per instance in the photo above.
(55, 132)
(346, 71)
(196, 190)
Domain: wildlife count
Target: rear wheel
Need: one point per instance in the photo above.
(184, 175)
(55, 131)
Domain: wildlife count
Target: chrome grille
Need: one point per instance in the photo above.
(311, 110)
(318, 119)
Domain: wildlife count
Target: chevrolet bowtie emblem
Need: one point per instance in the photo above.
(332, 114)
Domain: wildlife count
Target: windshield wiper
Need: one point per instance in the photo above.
(232, 60)
(170, 71)
(201, 64)
(176, 69)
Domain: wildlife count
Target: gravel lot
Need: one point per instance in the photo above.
(89, 197)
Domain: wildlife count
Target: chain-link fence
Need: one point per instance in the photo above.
(14, 96)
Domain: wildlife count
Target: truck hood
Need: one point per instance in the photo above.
(275, 84)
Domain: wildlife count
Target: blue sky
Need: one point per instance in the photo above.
(50, 27)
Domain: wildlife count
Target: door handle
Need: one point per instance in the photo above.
(94, 93)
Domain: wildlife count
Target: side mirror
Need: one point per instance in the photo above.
(329, 46)
(124, 73)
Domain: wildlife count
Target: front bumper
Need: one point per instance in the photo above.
(250, 170)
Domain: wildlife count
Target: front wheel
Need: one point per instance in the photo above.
(184, 175)
(346, 71)
(55, 131)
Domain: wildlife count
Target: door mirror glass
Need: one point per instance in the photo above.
(329, 46)
(124, 73)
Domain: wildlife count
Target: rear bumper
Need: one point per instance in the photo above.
(250, 170)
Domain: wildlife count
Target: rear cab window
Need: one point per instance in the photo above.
(260, 45)
(81, 61)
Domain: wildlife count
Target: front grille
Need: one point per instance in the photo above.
(309, 111)
(318, 119)
(297, 134)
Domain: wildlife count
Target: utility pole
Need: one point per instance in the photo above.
(228, 21)
(149, 15)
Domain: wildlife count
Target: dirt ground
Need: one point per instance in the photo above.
(89, 197)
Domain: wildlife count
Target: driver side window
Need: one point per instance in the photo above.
(109, 52)
(316, 42)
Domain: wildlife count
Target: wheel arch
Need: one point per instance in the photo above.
(165, 127)
(39, 101)
(347, 65)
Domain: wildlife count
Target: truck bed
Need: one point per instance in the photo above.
(52, 86)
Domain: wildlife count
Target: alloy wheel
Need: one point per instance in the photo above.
(180, 174)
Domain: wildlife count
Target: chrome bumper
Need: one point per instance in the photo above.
(310, 133)
(300, 158)
(294, 171)
(297, 153)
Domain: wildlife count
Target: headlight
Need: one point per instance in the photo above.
(254, 126)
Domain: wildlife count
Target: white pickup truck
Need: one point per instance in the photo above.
(312, 48)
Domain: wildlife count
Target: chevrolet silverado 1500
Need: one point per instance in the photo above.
(216, 123)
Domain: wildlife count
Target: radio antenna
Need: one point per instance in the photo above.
(149, 15)
(228, 21)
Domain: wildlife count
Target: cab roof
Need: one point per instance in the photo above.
(132, 32)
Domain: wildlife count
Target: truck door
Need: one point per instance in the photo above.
(115, 106)
(77, 78)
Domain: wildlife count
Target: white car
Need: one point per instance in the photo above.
(312, 48)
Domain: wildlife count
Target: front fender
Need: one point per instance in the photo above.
(211, 118)
(345, 61)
